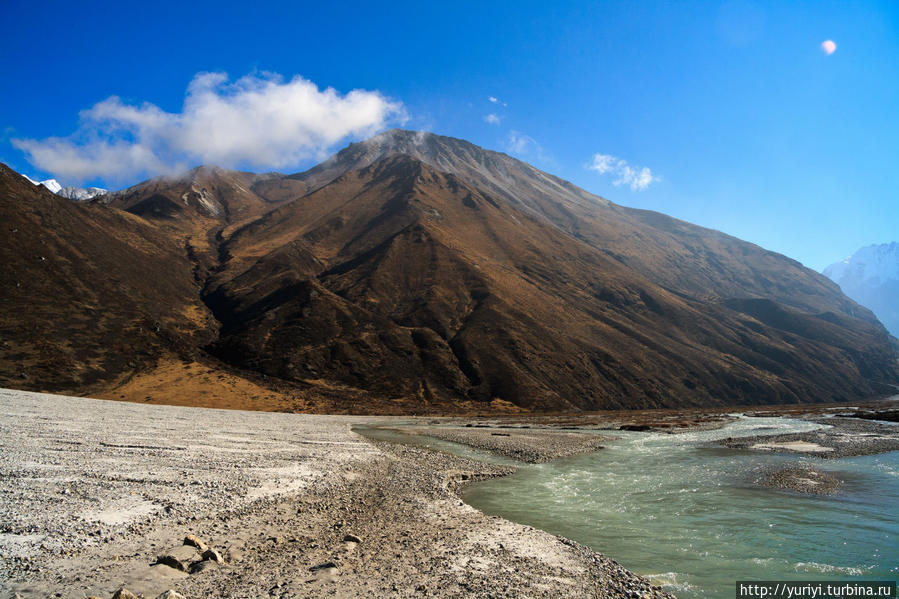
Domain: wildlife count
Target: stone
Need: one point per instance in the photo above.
(193, 541)
(170, 594)
(171, 561)
(124, 593)
(323, 566)
(182, 553)
(348, 538)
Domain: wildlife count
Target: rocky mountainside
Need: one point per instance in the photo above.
(419, 271)
(871, 277)
(88, 294)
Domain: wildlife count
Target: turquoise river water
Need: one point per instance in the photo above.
(689, 516)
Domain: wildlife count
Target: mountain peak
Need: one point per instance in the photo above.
(870, 276)
(70, 192)
(540, 194)
(878, 262)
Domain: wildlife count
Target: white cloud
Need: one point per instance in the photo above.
(524, 145)
(637, 178)
(495, 100)
(492, 119)
(260, 121)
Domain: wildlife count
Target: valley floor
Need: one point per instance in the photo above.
(93, 492)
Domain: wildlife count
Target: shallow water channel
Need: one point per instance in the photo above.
(690, 517)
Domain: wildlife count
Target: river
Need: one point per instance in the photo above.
(689, 516)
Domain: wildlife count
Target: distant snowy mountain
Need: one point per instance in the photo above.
(80, 193)
(51, 184)
(69, 191)
(870, 276)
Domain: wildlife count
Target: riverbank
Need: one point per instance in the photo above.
(94, 493)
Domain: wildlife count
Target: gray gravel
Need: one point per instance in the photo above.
(844, 437)
(801, 478)
(528, 445)
(94, 493)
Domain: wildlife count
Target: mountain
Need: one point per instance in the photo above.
(871, 277)
(80, 194)
(88, 294)
(69, 191)
(415, 272)
(51, 184)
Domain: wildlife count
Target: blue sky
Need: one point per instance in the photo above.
(729, 115)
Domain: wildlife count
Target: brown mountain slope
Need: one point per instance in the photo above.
(201, 207)
(400, 279)
(88, 293)
(682, 257)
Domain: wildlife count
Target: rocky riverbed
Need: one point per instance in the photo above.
(98, 496)
(529, 445)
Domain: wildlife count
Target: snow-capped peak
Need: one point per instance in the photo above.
(870, 276)
(80, 194)
(69, 191)
(51, 184)
(871, 264)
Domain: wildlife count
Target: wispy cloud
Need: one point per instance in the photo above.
(519, 144)
(492, 119)
(495, 100)
(260, 121)
(637, 178)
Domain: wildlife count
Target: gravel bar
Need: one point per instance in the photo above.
(842, 438)
(529, 445)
